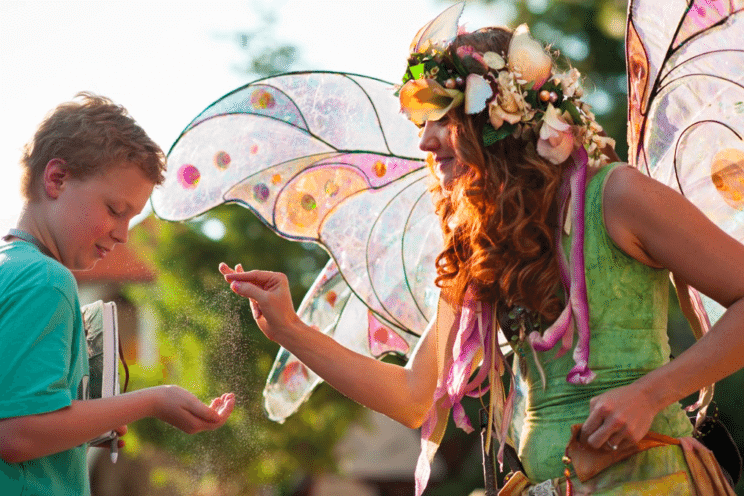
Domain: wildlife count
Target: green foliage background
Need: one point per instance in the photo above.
(209, 343)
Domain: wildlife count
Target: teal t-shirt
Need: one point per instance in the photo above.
(43, 363)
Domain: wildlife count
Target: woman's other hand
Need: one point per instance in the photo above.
(619, 418)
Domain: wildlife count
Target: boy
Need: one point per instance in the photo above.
(88, 170)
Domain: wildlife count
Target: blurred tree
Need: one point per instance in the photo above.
(264, 55)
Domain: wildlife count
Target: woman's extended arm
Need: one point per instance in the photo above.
(659, 227)
(404, 394)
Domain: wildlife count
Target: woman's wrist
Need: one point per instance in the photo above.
(654, 396)
(293, 333)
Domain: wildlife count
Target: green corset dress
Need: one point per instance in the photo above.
(628, 319)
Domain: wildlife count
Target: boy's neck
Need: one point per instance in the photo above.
(27, 223)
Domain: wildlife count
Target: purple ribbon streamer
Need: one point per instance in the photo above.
(577, 306)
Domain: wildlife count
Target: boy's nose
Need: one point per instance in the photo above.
(120, 233)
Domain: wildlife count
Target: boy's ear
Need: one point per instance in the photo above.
(55, 177)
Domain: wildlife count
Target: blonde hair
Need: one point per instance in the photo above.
(90, 135)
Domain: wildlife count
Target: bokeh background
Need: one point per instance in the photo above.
(165, 61)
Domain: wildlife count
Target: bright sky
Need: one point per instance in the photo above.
(166, 60)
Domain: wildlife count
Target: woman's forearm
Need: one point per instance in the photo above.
(395, 391)
(717, 355)
(403, 394)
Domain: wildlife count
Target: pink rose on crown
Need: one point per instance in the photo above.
(527, 58)
(556, 141)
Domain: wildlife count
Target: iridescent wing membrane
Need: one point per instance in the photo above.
(325, 158)
(686, 103)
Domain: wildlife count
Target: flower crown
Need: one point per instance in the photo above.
(519, 90)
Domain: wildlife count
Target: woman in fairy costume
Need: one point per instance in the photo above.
(523, 182)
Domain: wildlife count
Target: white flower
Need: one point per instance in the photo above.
(570, 83)
(494, 60)
(497, 115)
(477, 92)
(603, 141)
(510, 104)
(527, 57)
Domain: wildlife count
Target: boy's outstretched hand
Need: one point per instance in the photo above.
(185, 411)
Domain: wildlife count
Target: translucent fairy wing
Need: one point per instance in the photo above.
(327, 158)
(379, 243)
(276, 129)
(686, 103)
(376, 295)
(441, 29)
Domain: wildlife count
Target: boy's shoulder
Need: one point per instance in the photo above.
(23, 263)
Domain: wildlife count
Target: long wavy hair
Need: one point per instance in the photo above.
(499, 221)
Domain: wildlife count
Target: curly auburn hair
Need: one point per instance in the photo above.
(90, 135)
(499, 222)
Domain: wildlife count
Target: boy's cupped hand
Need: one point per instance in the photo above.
(185, 411)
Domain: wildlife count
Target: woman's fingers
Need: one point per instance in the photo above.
(255, 309)
(258, 284)
(619, 417)
(268, 294)
(262, 278)
(590, 428)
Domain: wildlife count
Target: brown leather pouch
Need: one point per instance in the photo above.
(516, 484)
(588, 462)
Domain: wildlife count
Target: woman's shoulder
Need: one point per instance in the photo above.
(603, 173)
(622, 182)
(632, 203)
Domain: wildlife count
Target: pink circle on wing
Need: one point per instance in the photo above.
(308, 202)
(222, 160)
(261, 192)
(262, 99)
(188, 176)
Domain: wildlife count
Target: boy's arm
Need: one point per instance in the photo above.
(34, 436)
